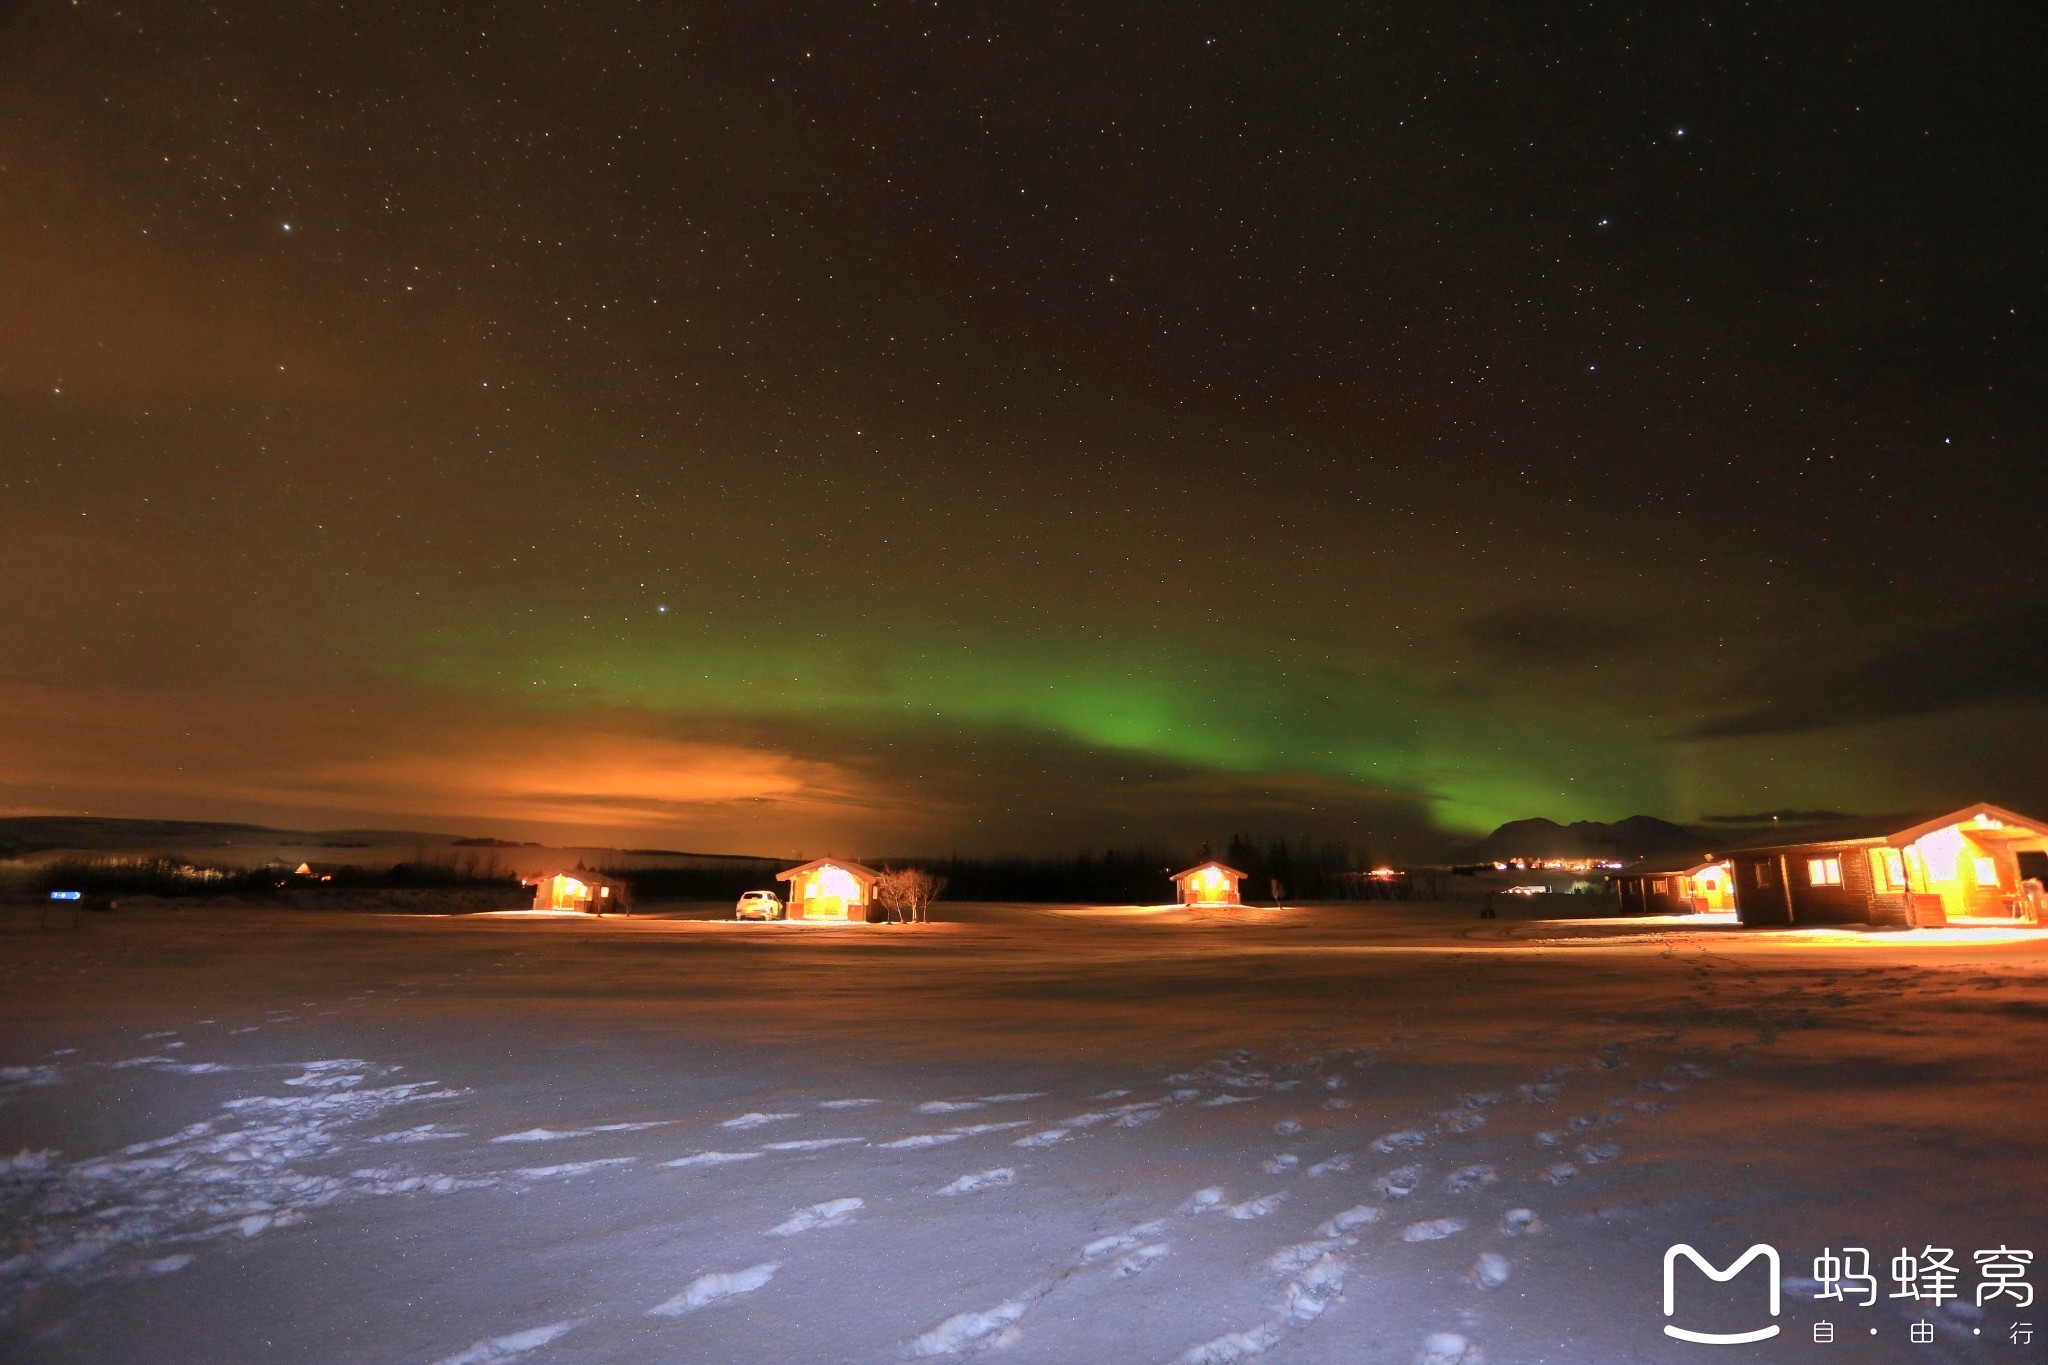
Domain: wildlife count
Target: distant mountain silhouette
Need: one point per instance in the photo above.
(1639, 836)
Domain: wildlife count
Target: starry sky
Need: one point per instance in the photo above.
(963, 426)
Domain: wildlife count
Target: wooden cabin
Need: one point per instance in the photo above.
(831, 888)
(1975, 865)
(579, 888)
(1210, 883)
(1681, 884)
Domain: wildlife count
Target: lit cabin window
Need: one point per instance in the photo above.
(1987, 871)
(1659, 887)
(1824, 871)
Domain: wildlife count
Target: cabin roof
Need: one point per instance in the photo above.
(1895, 830)
(585, 875)
(859, 870)
(1225, 868)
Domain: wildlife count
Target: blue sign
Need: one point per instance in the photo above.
(67, 895)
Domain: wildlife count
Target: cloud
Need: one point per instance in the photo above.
(1988, 660)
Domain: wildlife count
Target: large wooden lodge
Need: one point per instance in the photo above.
(1980, 863)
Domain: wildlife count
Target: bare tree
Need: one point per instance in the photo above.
(907, 893)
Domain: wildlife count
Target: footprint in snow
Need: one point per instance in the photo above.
(1050, 1137)
(1281, 1164)
(1112, 1094)
(709, 1289)
(1490, 1271)
(1334, 1165)
(557, 1135)
(1398, 1183)
(1594, 1153)
(1137, 1118)
(505, 1347)
(1461, 1120)
(1405, 1140)
(811, 1144)
(1302, 1255)
(712, 1159)
(571, 1168)
(1337, 1102)
(1127, 1241)
(994, 1327)
(1357, 1216)
(1257, 1208)
(833, 1213)
(984, 1180)
(1448, 1348)
(1287, 1127)
(917, 1140)
(1561, 1172)
(755, 1120)
(1233, 1346)
(846, 1104)
(977, 1129)
(948, 1106)
(1139, 1261)
(1540, 1093)
(1470, 1178)
(1520, 1223)
(1549, 1138)
(1434, 1230)
(1581, 1122)
(1017, 1096)
(1319, 1284)
(1201, 1201)
(1219, 1101)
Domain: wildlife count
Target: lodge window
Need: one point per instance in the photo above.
(1889, 865)
(1987, 872)
(1659, 887)
(1763, 874)
(1824, 871)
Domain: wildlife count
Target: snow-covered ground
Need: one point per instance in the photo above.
(1068, 1134)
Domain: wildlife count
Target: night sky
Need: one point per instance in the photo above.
(906, 428)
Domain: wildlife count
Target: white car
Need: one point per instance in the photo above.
(759, 905)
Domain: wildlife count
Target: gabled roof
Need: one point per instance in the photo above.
(1224, 868)
(859, 870)
(588, 876)
(1668, 864)
(1894, 830)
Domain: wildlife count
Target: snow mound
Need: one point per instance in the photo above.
(755, 1120)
